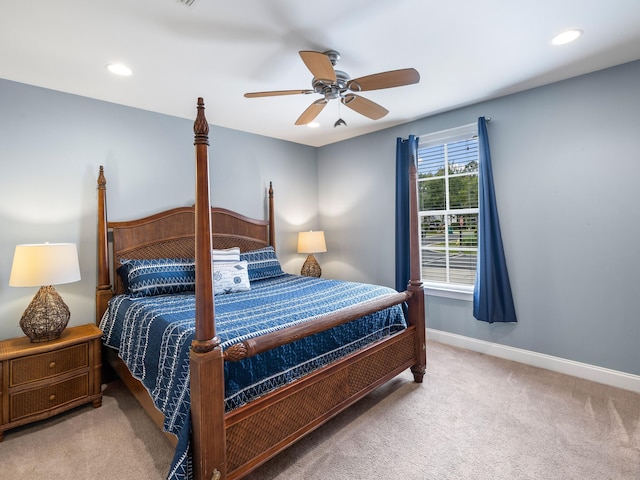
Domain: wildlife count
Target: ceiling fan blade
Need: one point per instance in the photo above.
(364, 106)
(311, 112)
(378, 81)
(319, 65)
(276, 93)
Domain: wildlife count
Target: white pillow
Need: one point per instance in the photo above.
(230, 277)
(226, 255)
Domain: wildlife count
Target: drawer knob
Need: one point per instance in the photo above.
(52, 397)
(52, 364)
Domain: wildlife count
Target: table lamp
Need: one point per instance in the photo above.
(311, 242)
(44, 265)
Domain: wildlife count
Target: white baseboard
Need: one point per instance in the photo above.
(613, 378)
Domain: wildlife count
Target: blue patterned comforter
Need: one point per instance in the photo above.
(153, 336)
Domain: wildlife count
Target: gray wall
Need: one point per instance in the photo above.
(567, 171)
(52, 143)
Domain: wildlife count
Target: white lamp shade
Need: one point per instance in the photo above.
(311, 242)
(44, 264)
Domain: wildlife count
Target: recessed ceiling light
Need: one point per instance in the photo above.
(313, 125)
(119, 69)
(566, 37)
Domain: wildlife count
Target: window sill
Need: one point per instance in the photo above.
(457, 292)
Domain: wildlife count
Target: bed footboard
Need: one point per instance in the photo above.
(262, 429)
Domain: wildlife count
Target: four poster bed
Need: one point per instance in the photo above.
(233, 387)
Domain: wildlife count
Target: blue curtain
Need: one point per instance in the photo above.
(492, 299)
(406, 152)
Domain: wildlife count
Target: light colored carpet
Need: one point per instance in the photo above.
(475, 417)
(116, 441)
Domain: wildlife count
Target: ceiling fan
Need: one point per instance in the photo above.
(332, 84)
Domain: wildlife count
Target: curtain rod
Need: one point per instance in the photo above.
(487, 119)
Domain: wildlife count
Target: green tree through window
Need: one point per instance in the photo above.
(448, 206)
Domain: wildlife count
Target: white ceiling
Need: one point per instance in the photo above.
(465, 51)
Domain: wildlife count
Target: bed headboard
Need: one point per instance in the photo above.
(168, 234)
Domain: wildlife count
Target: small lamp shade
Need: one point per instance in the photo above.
(44, 265)
(311, 242)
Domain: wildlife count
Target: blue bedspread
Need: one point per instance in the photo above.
(153, 336)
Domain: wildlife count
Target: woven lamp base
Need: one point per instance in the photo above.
(46, 316)
(310, 268)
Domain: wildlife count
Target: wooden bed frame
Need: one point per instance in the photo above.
(230, 445)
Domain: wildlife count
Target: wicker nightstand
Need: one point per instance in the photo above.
(39, 380)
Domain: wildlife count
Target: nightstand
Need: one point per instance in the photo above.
(39, 380)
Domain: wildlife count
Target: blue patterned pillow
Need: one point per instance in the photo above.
(262, 263)
(230, 277)
(158, 276)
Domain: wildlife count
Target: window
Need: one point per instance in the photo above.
(448, 207)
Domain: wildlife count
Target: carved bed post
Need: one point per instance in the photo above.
(272, 220)
(206, 361)
(103, 290)
(416, 302)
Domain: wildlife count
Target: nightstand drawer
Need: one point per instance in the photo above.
(48, 397)
(45, 365)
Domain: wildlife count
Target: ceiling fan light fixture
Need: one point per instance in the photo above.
(313, 124)
(567, 37)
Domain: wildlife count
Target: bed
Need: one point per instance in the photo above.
(206, 383)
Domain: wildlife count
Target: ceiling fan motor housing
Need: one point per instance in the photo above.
(332, 90)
